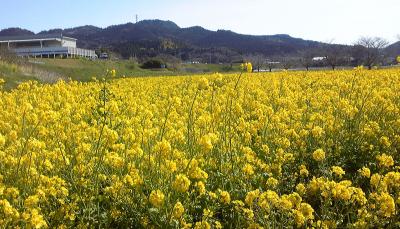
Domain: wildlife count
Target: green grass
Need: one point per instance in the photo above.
(12, 75)
(207, 68)
(49, 70)
(85, 70)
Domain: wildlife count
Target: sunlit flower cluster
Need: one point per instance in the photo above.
(247, 67)
(268, 150)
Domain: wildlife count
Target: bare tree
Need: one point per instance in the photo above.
(257, 60)
(357, 55)
(271, 64)
(306, 58)
(172, 62)
(333, 54)
(371, 48)
(287, 62)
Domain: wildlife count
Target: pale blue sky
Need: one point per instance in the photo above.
(340, 21)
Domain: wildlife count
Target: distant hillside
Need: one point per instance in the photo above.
(15, 32)
(151, 38)
(393, 49)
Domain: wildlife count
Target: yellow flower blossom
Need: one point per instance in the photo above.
(318, 155)
(203, 151)
(207, 213)
(201, 187)
(178, 210)
(338, 171)
(248, 170)
(112, 72)
(317, 132)
(181, 183)
(385, 160)
(202, 225)
(272, 182)
(203, 84)
(225, 197)
(375, 180)
(252, 196)
(303, 171)
(156, 198)
(387, 207)
(301, 188)
(365, 172)
(2, 140)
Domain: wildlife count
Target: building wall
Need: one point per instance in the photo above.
(68, 43)
(51, 44)
(31, 44)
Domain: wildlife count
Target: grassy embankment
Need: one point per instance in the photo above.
(50, 70)
(12, 75)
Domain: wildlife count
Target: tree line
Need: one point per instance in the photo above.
(366, 51)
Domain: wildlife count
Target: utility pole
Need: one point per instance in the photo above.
(137, 18)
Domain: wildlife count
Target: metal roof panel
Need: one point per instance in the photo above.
(34, 37)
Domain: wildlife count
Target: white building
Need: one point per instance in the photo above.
(318, 58)
(44, 45)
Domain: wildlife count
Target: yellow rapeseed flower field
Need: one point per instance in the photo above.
(273, 150)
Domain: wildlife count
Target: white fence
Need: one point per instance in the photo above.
(52, 51)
